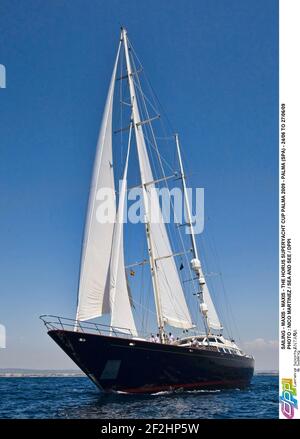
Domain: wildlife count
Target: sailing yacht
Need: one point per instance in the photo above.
(117, 356)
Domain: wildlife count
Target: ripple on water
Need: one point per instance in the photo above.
(79, 398)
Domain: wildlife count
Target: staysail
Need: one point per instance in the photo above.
(93, 300)
(121, 313)
(172, 303)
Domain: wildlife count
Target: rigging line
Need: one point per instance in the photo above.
(143, 115)
(145, 133)
(234, 329)
(139, 88)
(223, 285)
(222, 314)
(165, 131)
(152, 89)
(153, 147)
(156, 98)
(163, 112)
(133, 53)
(212, 289)
(153, 136)
(146, 309)
(144, 97)
(158, 155)
(231, 314)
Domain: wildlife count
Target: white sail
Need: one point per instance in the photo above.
(93, 289)
(121, 313)
(212, 316)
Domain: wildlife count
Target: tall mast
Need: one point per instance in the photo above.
(139, 137)
(195, 263)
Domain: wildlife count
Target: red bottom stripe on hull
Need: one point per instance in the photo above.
(199, 386)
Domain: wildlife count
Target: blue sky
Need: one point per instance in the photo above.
(214, 66)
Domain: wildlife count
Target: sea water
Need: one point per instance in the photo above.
(69, 397)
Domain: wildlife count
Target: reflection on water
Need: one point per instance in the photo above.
(79, 398)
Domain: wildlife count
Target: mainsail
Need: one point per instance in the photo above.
(172, 303)
(121, 314)
(93, 298)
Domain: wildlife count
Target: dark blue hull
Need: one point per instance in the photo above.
(137, 366)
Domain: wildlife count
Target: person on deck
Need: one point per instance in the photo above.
(195, 343)
(171, 338)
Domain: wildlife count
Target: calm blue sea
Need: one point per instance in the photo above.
(79, 398)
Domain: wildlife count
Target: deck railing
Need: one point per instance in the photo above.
(66, 324)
